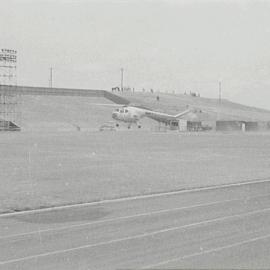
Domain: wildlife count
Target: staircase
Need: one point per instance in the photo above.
(8, 126)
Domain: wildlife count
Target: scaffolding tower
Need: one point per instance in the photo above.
(10, 103)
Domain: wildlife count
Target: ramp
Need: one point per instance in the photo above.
(8, 126)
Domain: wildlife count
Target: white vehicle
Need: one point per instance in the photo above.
(107, 126)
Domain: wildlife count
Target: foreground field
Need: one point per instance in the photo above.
(48, 169)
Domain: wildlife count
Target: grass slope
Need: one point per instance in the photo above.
(64, 113)
(73, 113)
(212, 110)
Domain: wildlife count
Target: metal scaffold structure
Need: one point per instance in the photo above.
(10, 103)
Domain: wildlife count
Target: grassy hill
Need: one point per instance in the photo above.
(211, 109)
(53, 113)
(63, 113)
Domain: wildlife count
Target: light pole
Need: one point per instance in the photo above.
(219, 91)
(51, 77)
(122, 79)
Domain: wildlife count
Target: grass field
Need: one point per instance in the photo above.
(48, 169)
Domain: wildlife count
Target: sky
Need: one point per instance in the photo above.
(164, 45)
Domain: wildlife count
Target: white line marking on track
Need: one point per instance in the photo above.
(122, 218)
(208, 251)
(132, 237)
(127, 217)
(139, 197)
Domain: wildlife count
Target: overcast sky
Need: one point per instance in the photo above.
(165, 45)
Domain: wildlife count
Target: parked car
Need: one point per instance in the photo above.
(108, 126)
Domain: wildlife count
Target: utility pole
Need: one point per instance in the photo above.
(122, 79)
(51, 78)
(219, 91)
